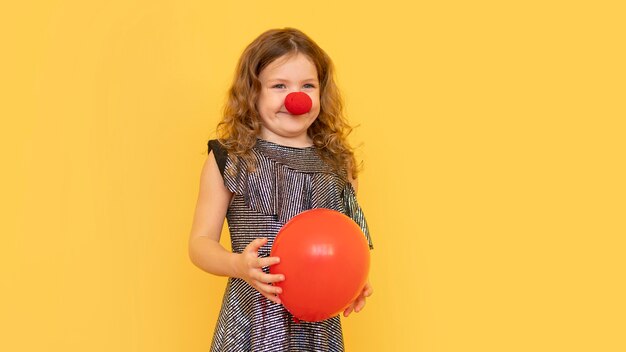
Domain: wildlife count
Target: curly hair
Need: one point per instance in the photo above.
(240, 124)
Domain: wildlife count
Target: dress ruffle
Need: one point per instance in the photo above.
(282, 171)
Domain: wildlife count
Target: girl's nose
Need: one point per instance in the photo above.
(298, 103)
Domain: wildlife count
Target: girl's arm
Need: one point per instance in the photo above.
(208, 254)
(358, 304)
(205, 251)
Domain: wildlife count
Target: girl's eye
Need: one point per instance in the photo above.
(280, 85)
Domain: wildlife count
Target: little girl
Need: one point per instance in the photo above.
(268, 165)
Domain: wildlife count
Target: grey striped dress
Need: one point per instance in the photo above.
(286, 181)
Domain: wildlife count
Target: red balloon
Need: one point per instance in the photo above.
(298, 103)
(325, 259)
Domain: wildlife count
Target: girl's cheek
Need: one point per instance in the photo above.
(280, 99)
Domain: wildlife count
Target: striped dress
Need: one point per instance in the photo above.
(286, 181)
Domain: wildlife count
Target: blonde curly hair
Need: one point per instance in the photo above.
(240, 125)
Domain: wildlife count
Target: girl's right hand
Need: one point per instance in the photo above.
(249, 268)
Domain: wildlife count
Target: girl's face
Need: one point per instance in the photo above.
(278, 79)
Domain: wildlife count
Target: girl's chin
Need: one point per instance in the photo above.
(289, 130)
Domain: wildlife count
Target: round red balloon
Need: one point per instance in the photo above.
(325, 259)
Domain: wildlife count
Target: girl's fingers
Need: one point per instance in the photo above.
(257, 278)
(256, 244)
(272, 298)
(267, 261)
(348, 310)
(270, 289)
(360, 303)
(357, 305)
(270, 278)
(368, 291)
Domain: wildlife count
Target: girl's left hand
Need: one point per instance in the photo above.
(359, 302)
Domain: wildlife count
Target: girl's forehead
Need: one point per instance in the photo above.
(294, 63)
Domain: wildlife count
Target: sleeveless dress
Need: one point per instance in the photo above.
(286, 181)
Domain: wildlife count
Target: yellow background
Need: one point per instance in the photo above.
(492, 136)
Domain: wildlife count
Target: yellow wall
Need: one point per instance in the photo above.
(493, 140)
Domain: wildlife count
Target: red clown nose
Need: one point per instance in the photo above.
(298, 103)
